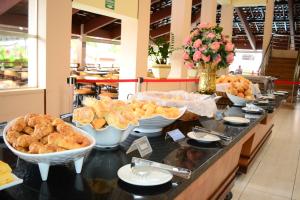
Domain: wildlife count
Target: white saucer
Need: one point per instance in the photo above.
(13, 183)
(279, 93)
(203, 137)
(236, 120)
(148, 176)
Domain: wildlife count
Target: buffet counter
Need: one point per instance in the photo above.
(213, 165)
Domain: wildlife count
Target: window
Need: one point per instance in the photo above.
(18, 45)
(102, 55)
(248, 60)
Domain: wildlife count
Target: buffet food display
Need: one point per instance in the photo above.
(39, 134)
(238, 86)
(111, 121)
(45, 140)
(198, 104)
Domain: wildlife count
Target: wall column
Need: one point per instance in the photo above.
(227, 19)
(180, 27)
(54, 35)
(209, 11)
(134, 48)
(268, 25)
(226, 23)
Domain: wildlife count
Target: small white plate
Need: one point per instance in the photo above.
(268, 97)
(203, 137)
(148, 177)
(236, 120)
(251, 110)
(13, 183)
(281, 91)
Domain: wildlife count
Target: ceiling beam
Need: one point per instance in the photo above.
(7, 4)
(161, 14)
(74, 11)
(166, 12)
(154, 1)
(14, 20)
(247, 28)
(291, 22)
(97, 23)
(160, 31)
(101, 33)
(115, 33)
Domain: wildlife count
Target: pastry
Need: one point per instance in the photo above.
(28, 130)
(42, 130)
(18, 124)
(98, 123)
(35, 147)
(12, 136)
(25, 140)
(84, 115)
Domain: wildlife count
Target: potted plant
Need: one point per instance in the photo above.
(208, 50)
(160, 50)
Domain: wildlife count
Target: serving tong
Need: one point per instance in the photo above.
(198, 129)
(141, 167)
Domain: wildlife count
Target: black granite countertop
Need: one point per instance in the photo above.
(98, 179)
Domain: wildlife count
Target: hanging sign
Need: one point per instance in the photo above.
(110, 4)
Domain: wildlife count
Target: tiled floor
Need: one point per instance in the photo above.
(275, 174)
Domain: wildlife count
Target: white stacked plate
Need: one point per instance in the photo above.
(144, 176)
(203, 137)
(236, 120)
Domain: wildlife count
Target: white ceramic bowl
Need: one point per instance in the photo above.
(153, 126)
(238, 101)
(45, 160)
(108, 137)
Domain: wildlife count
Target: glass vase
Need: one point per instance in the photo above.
(207, 79)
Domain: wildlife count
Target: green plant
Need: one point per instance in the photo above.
(160, 49)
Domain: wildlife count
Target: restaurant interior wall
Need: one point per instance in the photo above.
(52, 95)
(15, 102)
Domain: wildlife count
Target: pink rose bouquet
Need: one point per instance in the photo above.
(206, 44)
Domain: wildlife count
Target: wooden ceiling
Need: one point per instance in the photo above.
(246, 19)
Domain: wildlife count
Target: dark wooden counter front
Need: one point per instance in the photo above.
(213, 166)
